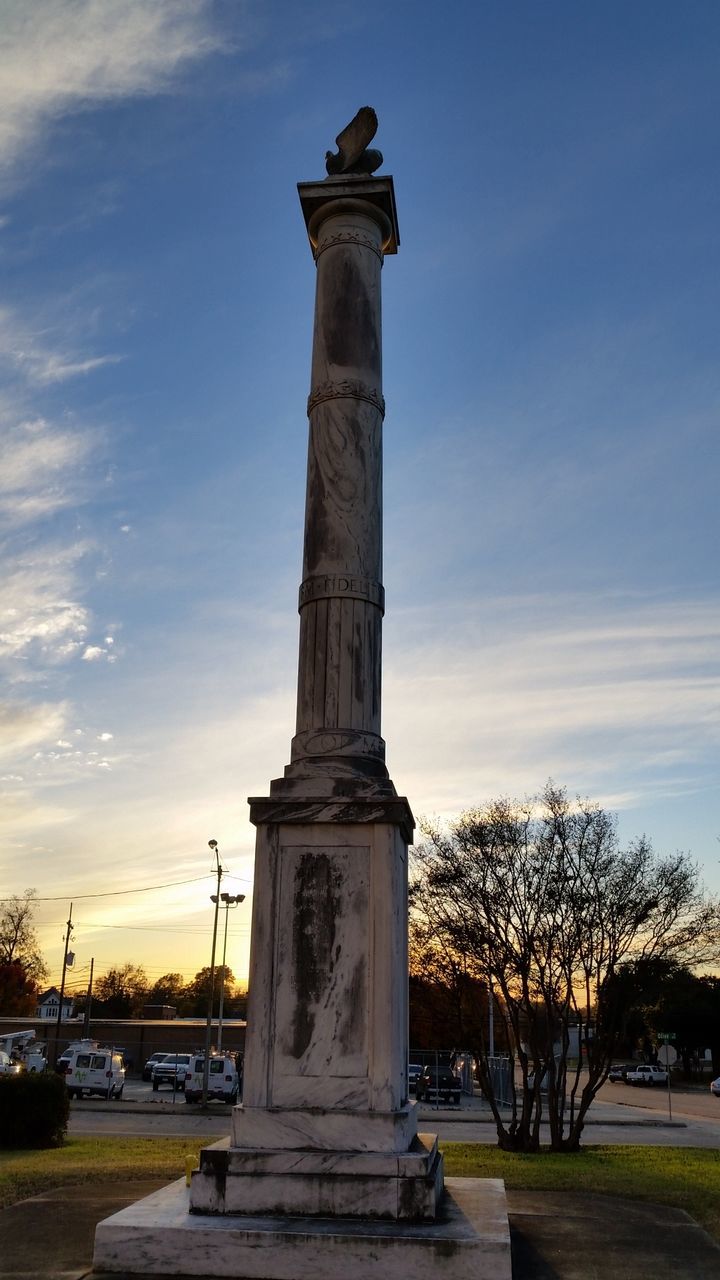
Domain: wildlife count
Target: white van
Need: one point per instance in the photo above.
(223, 1079)
(90, 1070)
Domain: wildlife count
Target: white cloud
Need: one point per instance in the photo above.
(37, 611)
(93, 653)
(63, 56)
(104, 737)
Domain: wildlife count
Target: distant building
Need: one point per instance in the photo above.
(163, 1012)
(49, 1002)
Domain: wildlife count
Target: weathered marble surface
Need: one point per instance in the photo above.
(158, 1236)
(407, 1185)
(341, 596)
(327, 1016)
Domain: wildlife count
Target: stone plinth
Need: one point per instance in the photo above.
(350, 1184)
(157, 1236)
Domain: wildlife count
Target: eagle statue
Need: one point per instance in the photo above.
(353, 155)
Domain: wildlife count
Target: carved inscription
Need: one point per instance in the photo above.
(323, 586)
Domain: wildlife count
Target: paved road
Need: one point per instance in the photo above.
(612, 1119)
(696, 1103)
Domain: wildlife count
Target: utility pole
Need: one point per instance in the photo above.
(88, 1002)
(68, 935)
(215, 897)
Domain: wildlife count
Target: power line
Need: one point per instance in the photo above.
(153, 928)
(118, 893)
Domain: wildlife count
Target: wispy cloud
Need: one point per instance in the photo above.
(39, 353)
(62, 56)
(40, 616)
(24, 726)
(608, 695)
(40, 469)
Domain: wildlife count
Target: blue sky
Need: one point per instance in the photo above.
(551, 440)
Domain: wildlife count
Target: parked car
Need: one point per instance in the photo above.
(7, 1066)
(618, 1073)
(223, 1079)
(437, 1084)
(715, 1087)
(414, 1073)
(644, 1073)
(96, 1070)
(172, 1069)
(152, 1060)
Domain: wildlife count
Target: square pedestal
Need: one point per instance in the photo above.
(344, 1184)
(159, 1237)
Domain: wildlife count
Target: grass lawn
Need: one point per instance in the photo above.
(25, 1173)
(685, 1177)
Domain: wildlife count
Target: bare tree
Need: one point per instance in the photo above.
(539, 900)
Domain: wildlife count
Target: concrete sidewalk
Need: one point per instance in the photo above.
(554, 1236)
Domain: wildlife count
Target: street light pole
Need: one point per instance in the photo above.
(208, 1030)
(229, 900)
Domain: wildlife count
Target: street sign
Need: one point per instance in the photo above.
(667, 1035)
(667, 1055)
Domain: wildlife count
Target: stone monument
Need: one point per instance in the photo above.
(325, 1168)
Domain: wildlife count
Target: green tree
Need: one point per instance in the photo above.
(685, 1006)
(197, 992)
(537, 897)
(448, 1004)
(121, 992)
(170, 989)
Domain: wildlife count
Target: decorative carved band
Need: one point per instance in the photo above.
(348, 388)
(348, 237)
(337, 742)
(324, 586)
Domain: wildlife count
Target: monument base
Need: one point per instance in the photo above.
(344, 1184)
(157, 1236)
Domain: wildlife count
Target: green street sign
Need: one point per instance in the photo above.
(666, 1035)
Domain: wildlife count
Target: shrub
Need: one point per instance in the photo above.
(34, 1110)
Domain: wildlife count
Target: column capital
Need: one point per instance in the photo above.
(373, 194)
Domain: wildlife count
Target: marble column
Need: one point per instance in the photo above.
(337, 748)
(326, 1049)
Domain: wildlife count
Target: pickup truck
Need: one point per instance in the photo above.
(171, 1070)
(645, 1074)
